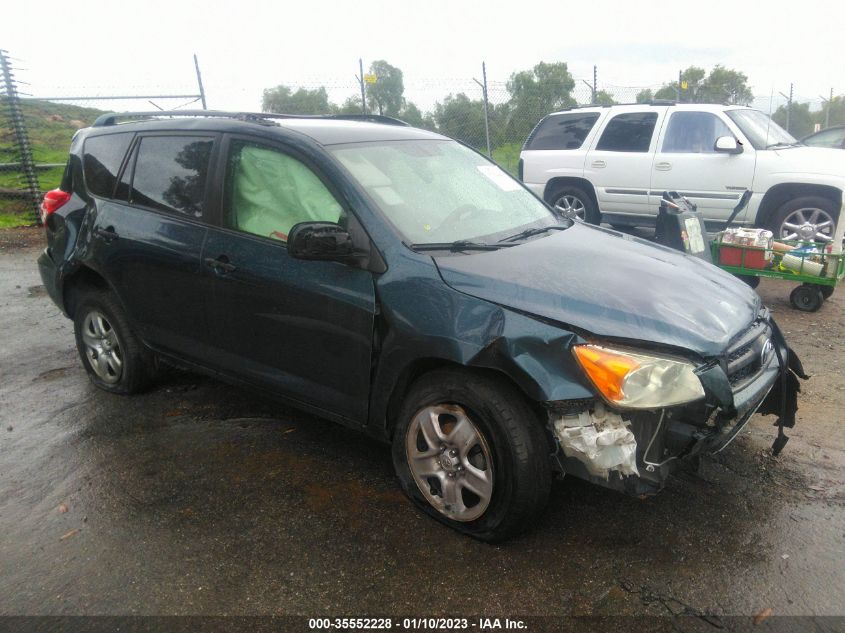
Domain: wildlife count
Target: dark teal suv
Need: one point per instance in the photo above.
(400, 283)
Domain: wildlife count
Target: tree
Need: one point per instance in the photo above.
(352, 105)
(282, 100)
(385, 96)
(726, 86)
(801, 120)
(722, 85)
(603, 97)
(536, 92)
(411, 115)
(645, 95)
(462, 118)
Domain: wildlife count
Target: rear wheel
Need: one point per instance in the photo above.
(470, 452)
(574, 202)
(807, 298)
(116, 361)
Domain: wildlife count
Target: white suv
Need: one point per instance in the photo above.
(613, 163)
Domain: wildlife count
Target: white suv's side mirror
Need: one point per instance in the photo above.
(728, 145)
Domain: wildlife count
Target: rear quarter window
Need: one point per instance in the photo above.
(101, 160)
(629, 132)
(562, 131)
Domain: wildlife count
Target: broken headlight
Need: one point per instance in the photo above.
(631, 380)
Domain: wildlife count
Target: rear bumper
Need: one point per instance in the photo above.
(50, 276)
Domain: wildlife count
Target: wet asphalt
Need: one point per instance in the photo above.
(200, 498)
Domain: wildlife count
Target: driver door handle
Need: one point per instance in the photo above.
(108, 234)
(663, 166)
(598, 164)
(220, 265)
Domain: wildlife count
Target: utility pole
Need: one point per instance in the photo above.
(595, 82)
(680, 75)
(827, 110)
(199, 83)
(486, 106)
(13, 106)
(360, 79)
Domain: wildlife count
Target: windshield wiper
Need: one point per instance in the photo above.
(457, 246)
(537, 230)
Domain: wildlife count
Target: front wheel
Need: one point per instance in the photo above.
(805, 219)
(471, 453)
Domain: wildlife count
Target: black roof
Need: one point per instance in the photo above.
(325, 130)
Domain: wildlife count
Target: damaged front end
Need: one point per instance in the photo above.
(625, 441)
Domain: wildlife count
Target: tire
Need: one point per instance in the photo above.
(486, 446)
(567, 199)
(807, 298)
(116, 361)
(826, 291)
(807, 218)
(751, 280)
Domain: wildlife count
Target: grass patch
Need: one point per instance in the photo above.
(507, 157)
(14, 220)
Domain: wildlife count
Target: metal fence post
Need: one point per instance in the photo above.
(486, 106)
(27, 164)
(199, 83)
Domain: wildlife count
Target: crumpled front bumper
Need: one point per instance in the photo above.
(660, 440)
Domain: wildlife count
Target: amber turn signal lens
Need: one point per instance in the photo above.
(607, 370)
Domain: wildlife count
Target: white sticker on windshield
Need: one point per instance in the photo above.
(499, 178)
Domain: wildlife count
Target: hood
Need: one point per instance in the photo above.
(803, 160)
(612, 285)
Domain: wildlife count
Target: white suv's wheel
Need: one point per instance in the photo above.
(574, 202)
(806, 219)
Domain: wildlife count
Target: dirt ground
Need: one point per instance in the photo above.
(198, 498)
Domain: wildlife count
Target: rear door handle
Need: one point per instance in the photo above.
(220, 265)
(108, 234)
(663, 166)
(598, 164)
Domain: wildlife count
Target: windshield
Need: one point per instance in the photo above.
(437, 191)
(760, 129)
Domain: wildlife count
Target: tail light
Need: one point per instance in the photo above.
(53, 201)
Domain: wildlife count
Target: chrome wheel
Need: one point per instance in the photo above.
(102, 349)
(809, 224)
(450, 461)
(570, 206)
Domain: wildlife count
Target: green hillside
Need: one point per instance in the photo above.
(50, 127)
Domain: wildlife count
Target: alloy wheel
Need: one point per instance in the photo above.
(571, 206)
(809, 224)
(102, 348)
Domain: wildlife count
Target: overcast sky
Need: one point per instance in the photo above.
(113, 47)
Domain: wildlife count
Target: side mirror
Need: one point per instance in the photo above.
(728, 145)
(319, 240)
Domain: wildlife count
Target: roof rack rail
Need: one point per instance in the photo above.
(112, 118)
(654, 102)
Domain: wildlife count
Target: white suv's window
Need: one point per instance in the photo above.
(629, 132)
(693, 133)
(562, 131)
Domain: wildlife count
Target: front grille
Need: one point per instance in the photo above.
(748, 354)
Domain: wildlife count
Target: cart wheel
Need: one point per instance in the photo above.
(751, 280)
(807, 298)
(826, 291)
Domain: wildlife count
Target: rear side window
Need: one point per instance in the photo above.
(101, 160)
(629, 132)
(171, 173)
(562, 131)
